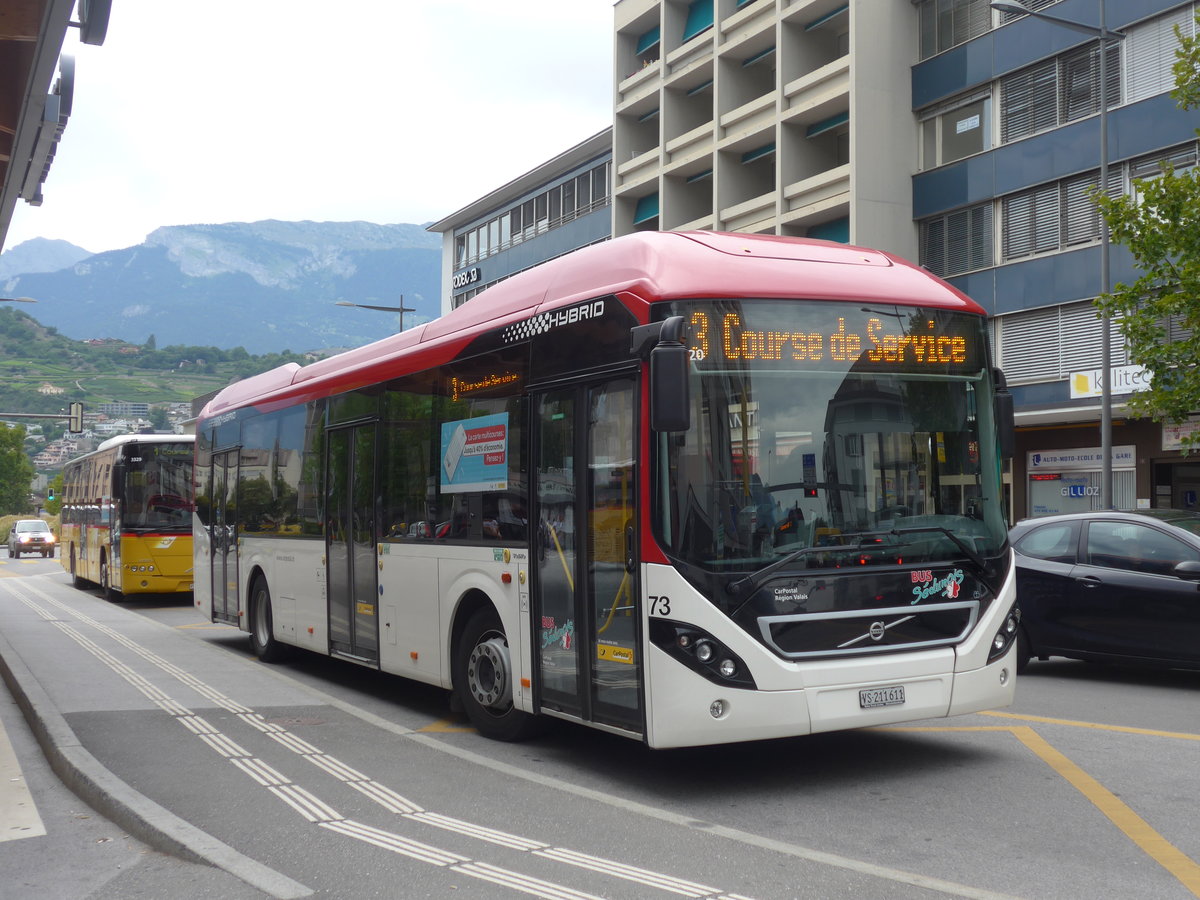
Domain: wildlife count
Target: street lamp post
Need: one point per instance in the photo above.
(17, 300)
(401, 309)
(1102, 32)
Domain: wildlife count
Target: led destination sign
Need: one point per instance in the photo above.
(912, 341)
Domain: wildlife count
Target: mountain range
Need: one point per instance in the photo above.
(265, 286)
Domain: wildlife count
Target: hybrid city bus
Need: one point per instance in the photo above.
(691, 488)
(127, 515)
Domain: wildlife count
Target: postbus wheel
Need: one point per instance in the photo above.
(106, 587)
(76, 580)
(483, 679)
(262, 625)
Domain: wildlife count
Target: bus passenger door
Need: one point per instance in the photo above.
(587, 651)
(350, 542)
(222, 537)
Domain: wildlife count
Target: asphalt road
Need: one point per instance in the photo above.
(319, 777)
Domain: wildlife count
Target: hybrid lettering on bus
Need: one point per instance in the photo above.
(127, 515)
(690, 488)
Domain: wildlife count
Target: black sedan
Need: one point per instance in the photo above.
(1110, 586)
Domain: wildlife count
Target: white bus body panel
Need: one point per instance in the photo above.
(795, 698)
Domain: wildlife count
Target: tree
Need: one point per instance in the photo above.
(159, 418)
(1159, 314)
(16, 471)
(151, 343)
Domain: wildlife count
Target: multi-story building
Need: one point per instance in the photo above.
(942, 130)
(1007, 109)
(125, 409)
(560, 206)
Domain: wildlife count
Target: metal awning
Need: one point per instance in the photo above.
(36, 88)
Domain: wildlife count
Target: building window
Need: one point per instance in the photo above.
(1150, 53)
(1057, 91)
(955, 130)
(948, 23)
(1049, 344)
(556, 206)
(958, 242)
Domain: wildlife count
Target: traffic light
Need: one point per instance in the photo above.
(49, 494)
(76, 426)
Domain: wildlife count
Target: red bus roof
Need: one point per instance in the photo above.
(642, 269)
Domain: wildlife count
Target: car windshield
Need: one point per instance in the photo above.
(832, 434)
(24, 527)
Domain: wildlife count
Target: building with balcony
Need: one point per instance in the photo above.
(947, 132)
(772, 116)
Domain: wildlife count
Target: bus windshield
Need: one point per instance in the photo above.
(833, 434)
(157, 485)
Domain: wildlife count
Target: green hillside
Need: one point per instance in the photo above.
(41, 371)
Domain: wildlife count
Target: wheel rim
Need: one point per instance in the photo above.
(489, 673)
(262, 630)
(104, 574)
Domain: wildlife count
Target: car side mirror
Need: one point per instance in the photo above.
(1188, 569)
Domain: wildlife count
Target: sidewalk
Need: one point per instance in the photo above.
(48, 676)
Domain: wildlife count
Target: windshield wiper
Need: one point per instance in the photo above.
(751, 582)
(962, 545)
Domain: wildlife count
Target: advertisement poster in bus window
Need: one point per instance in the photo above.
(474, 454)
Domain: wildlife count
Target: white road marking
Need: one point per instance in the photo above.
(316, 811)
(18, 813)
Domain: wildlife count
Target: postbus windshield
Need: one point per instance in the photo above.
(157, 487)
(834, 434)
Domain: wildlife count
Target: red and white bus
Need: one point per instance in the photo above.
(691, 488)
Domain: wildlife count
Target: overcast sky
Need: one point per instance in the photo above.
(378, 110)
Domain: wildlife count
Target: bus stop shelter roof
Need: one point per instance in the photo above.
(36, 86)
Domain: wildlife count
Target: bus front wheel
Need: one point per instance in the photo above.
(262, 625)
(106, 588)
(483, 679)
(76, 580)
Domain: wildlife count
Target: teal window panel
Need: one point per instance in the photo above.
(837, 230)
(826, 124)
(758, 152)
(647, 208)
(699, 18)
(648, 40)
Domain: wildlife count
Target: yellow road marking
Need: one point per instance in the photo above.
(1124, 729)
(1134, 826)
(445, 726)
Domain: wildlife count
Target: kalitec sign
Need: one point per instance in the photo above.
(1123, 380)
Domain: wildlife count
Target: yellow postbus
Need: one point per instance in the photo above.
(127, 515)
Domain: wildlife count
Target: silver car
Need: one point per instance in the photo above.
(30, 536)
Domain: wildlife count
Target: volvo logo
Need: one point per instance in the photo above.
(875, 631)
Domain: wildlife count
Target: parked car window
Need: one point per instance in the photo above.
(1137, 548)
(1053, 542)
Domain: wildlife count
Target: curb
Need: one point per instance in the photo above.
(140, 816)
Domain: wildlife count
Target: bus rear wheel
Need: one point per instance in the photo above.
(483, 680)
(262, 624)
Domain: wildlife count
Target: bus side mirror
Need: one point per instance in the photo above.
(1006, 426)
(670, 404)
